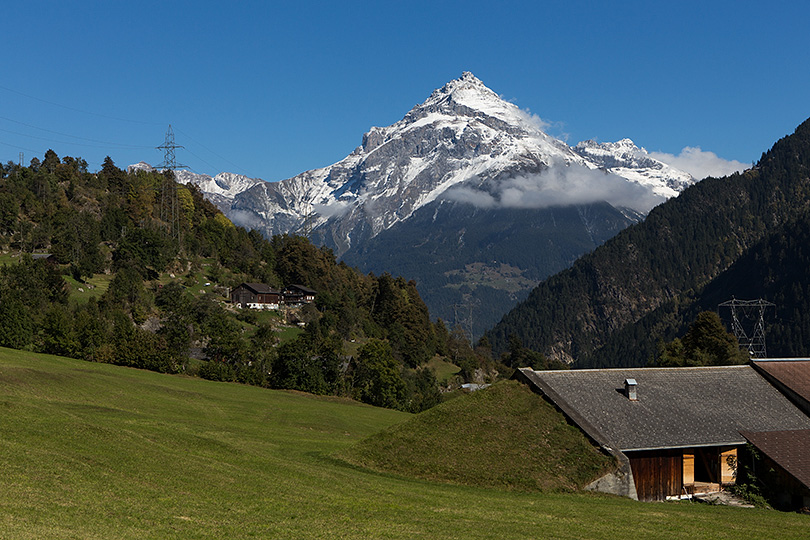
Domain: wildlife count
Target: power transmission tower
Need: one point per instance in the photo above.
(750, 310)
(169, 203)
(308, 217)
(465, 323)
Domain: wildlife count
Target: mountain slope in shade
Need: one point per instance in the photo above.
(775, 269)
(473, 264)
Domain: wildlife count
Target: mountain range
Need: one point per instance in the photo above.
(467, 195)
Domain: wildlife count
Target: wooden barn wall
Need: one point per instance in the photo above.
(657, 473)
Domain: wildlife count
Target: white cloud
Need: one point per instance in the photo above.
(559, 185)
(546, 126)
(337, 208)
(700, 164)
(534, 120)
(244, 218)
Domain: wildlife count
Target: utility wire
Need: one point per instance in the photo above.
(7, 89)
(110, 144)
(220, 157)
(19, 147)
(50, 140)
(201, 159)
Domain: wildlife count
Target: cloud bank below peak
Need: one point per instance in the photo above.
(559, 185)
(700, 163)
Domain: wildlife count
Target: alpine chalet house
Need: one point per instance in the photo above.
(674, 431)
(298, 294)
(256, 296)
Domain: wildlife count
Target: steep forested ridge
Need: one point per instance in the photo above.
(774, 269)
(661, 263)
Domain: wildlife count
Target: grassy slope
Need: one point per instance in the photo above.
(97, 451)
(504, 437)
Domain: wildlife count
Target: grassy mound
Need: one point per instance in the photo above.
(503, 437)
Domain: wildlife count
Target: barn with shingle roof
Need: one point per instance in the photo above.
(676, 431)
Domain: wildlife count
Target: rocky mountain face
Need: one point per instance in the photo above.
(442, 177)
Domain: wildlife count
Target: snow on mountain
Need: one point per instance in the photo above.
(464, 136)
(464, 133)
(221, 189)
(140, 166)
(224, 184)
(627, 160)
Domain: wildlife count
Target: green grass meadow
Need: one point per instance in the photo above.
(93, 451)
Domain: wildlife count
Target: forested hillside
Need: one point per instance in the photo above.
(774, 269)
(664, 263)
(127, 284)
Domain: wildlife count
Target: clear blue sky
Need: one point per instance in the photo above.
(271, 89)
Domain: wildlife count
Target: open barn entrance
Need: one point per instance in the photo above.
(680, 472)
(708, 469)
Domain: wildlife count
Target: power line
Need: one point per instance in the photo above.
(111, 144)
(198, 157)
(220, 157)
(78, 110)
(105, 145)
(19, 147)
(98, 143)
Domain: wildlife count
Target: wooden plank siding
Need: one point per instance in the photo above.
(688, 467)
(728, 456)
(658, 474)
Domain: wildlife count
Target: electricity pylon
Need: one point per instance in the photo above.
(750, 310)
(169, 203)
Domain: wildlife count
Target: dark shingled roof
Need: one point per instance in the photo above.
(791, 375)
(259, 288)
(676, 407)
(789, 449)
(301, 288)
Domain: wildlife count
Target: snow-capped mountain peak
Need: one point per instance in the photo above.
(463, 133)
(469, 95)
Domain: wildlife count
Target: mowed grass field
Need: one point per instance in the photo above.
(92, 451)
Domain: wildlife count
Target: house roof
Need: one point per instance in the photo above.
(301, 288)
(258, 288)
(791, 374)
(676, 407)
(789, 449)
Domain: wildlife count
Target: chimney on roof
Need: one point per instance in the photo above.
(630, 389)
